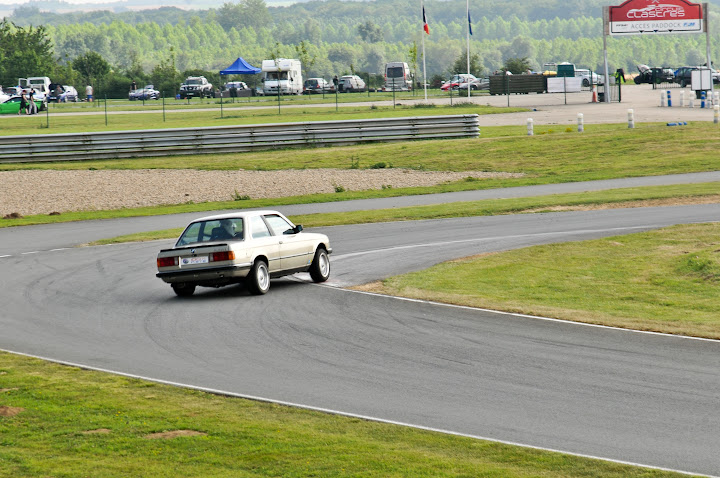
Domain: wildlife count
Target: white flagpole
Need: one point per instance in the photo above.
(468, 44)
(422, 12)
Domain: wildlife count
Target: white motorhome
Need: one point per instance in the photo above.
(397, 76)
(41, 85)
(283, 76)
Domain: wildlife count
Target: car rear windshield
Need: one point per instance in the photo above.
(212, 231)
(395, 72)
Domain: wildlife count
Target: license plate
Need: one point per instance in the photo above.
(194, 260)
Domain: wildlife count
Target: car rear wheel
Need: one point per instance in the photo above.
(258, 279)
(586, 82)
(183, 289)
(320, 267)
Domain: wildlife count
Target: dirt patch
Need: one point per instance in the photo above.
(10, 411)
(99, 431)
(28, 192)
(3, 390)
(174, 434)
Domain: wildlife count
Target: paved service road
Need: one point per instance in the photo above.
(621, 395)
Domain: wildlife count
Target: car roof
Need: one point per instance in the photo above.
(237, 214)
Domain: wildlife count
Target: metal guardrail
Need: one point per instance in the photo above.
(227, 139)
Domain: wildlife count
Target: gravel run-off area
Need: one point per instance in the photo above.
(29, 192)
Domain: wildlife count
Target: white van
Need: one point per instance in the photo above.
(397, 77)
(283, 76)
(41, 85)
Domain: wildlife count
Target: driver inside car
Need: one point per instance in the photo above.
(225, 231)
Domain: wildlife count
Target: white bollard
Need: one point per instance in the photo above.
(580, 123)
(716, 114)
(691, 103)
(530, 126)
(631, 118)
(663, 98)
(682, 99)
(716, 98)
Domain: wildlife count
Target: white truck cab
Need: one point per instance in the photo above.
(41, 85)
(282, 76)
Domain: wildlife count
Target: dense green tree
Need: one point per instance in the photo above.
(516, 66)
(165, 75)
(370, 32)
(307, 59)
(461, 64)
(24, 52)
(92, 69)
(245, 13)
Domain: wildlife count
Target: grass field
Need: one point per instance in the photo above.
(64, 422)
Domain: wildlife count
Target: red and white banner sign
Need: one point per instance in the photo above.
(636, 17)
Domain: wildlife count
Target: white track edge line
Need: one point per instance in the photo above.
(345, 414)
(524, 316)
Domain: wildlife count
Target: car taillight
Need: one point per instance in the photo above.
(222, 256)
(167, 261)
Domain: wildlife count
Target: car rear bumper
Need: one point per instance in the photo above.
(208, 274)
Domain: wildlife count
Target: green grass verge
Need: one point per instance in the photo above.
(664, 281)
(629, 197)
(66, 422)
(153, 117)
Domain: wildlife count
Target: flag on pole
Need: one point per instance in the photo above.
(469, 23)
(425, 23)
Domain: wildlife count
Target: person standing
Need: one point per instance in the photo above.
(32, 107)
(89, 93)
(133, 86)
(23, 103)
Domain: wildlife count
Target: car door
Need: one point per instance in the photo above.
(264, 242)
(295, 250)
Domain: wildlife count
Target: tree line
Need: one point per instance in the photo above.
(163, 46)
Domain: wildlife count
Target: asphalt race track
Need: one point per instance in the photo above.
(628, 396)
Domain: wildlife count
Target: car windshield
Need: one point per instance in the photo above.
(230, 229)
(193, 82)
(273, 75)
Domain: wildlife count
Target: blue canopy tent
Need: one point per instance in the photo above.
(240, 67)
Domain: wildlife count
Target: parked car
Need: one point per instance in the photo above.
(655, 75)
(476, 84)
(12, 105)
(69, 94)
(245, 246)
(62, 93)
(238, 85)
(350, 84)
(147, 93)
(317, 85)
(457, 80)
(196, 86)
(683, 75)
(589, 77)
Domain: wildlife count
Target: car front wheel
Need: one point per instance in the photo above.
(183, 289)
(320, 267)
(258, 279)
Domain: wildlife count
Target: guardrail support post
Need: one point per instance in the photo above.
(530, 130)
(631, 119)
(580, 117)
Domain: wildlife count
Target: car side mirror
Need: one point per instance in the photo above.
(298, 228)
